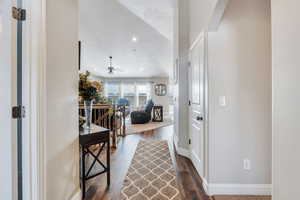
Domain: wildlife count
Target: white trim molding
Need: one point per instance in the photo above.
(175, 140)
(77, 195)
(205, 185)
(224, 188)
(181, 151)
(35, 90)
(236, 189)
(198, 38)
(197, 163)
(217, 15)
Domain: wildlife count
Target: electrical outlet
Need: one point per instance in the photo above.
(247, 164)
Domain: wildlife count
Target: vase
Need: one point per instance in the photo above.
(88, 109)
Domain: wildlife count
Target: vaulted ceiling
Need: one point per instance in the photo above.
(137, 33)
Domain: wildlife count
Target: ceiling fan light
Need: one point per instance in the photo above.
(110, 68)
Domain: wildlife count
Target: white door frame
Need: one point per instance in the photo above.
(32, 183)
(33, 99)
(203, 35)
(34, 166)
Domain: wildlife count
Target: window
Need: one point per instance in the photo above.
(137, 93)
(129, 93)
(143, 93)
(113, 92)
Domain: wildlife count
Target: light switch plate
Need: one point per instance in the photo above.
(247, 164)
(222, 101)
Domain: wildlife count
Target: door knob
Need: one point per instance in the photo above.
(199, 118)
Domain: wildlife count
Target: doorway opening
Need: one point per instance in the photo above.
(126, 55)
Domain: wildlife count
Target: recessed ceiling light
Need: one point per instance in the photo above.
(134, 39)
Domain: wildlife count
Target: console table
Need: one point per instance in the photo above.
(114, 121)
(87, 138)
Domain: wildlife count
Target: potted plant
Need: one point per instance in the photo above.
(88, 92)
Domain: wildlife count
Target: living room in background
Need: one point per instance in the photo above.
(129, 93)
(113, 91)
(136, 92)
(143, 93)
(142, 58)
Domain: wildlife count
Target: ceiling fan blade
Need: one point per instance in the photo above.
(118, 69)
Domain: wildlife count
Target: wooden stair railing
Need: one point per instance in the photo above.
(110, 117)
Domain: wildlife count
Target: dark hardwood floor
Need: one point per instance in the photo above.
(188, 179)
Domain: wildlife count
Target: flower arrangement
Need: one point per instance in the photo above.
(89, 90)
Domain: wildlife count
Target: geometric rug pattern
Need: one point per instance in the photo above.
(241, 197)
(151, 175)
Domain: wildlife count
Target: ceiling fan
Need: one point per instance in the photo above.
(112, 69)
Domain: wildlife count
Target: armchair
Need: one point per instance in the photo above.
(142, 117)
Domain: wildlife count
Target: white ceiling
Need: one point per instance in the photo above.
(107, 27)
(156, 13)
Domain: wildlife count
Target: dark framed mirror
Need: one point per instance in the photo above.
(160, 89)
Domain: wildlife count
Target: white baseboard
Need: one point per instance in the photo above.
(175, 140)
(237, 189)
(205, 185)
(197, 163)
(181, 151)
(77, 195)
(223, 188)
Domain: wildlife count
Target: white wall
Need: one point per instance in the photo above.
(161, 100)
(6, 139)
(62, 147)
(240, 69)
(200, 15)
(286, 98)
(191, 17)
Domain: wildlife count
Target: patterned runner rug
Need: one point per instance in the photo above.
(245, 197)
(151, 175)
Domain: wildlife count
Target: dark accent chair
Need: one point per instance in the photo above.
(142, 117)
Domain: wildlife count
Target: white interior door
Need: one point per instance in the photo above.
(197, 104)
(11, 95)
